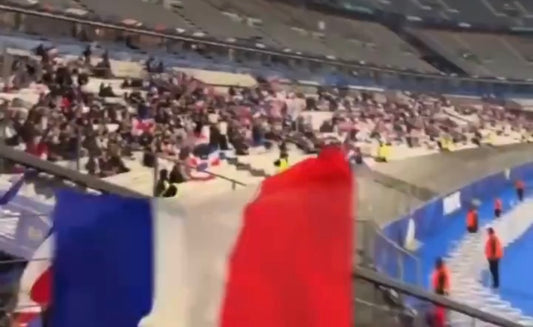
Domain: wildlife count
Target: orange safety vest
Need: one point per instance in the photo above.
(498, 204)
(519, 185)
(471, 218)
(493, 248)
(441, 280)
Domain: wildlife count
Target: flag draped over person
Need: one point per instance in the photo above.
(281, 256)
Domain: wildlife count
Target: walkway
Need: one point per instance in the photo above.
(468, 267)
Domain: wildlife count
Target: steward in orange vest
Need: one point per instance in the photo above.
(440, 278)
(494, 253)
(498, 207)
(472, 220)
(519, 186)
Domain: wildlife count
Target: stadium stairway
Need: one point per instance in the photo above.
(468, 267)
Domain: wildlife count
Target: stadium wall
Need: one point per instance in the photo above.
(424, 221)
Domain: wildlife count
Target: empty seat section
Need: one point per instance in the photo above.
(482, 54)
(453, 48)
(523, 45)
(280, 27)
(494, 55)
(474, 11)
(150, 14)
(212, 21)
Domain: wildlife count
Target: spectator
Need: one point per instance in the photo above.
(177, 175)
(171, 191)
(174, 112)
(162, 183)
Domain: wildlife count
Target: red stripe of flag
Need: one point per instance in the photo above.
(292, 263)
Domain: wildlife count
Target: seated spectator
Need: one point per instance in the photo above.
(176, 176)
(162, 183)
(106, 91)
(106, 168)
(171, 191)
(83, 79)
(282, 163)
(117, 164)
(92, 166)
(37, 147)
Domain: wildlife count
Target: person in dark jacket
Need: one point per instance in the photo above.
(162, 183)
(171, 191)
(176, 175)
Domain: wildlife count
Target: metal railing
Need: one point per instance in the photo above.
(417, 304)
(85, 181)
(377, 249)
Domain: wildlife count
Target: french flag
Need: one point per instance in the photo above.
(197, 165)
(35, 286)
(280, 256)
(203, 163)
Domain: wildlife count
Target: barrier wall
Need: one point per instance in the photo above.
(424, 222)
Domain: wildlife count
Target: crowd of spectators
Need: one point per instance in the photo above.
(172, 114)
(177, 115)
(422, 120)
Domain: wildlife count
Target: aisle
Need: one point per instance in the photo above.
(516, 271)
(464, 255)
(446, 238)
(467, 265)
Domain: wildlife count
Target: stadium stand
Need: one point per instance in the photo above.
(412, 124)
(124, 116)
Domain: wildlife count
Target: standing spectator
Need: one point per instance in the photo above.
(494, 253)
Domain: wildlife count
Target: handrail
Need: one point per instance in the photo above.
(78, 178)
(381, 308)
(154, 33)
(380, 233)
(377, 230)
(403, 251)
(379, 279)
(391, 242)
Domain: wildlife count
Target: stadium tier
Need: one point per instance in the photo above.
(403, 47)
(489, 13)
